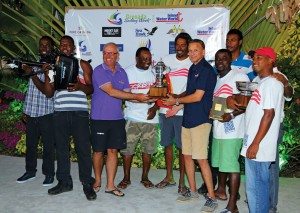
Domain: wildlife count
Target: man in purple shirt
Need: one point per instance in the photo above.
(111, 85)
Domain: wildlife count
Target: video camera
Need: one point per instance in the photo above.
(64, 68)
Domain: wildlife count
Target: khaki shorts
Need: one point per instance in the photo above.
(195, 141)
(145, 133)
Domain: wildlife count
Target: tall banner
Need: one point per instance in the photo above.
(150, 27)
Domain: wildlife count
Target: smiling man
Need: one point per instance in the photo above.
(196, 125)
(71, 118)
(262, 120)
(170, 120)
(139, 126)
(227, 133)
(107, 120)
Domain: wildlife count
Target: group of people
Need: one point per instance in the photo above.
(183, 117)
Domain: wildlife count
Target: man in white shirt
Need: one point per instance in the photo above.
(170, 119)
(227, 133)
(141, 119)
(262, 118)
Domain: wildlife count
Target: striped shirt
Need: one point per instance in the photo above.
(244, 64)
(71, 101)
(36, 104)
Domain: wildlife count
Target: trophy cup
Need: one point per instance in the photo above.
(159, 89)
(246, 88)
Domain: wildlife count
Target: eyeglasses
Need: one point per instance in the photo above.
(110, 53)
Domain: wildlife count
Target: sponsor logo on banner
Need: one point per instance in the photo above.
(111, 31)
(120, 47)
(208, 31)
(172, 49)
(146, 43)
(175, 30)
(113, 19)
(170, 18)
(80, 31)
(136, 18)
(145, 32)
(83, 48)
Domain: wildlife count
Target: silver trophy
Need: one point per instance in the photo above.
(160, 88)
(246, 88)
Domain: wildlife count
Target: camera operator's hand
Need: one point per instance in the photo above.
(75, 86)
(27, 69)
(46, 67)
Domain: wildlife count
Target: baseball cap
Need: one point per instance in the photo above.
(266, 51)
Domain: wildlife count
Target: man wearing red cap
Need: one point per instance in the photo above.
(262, 121)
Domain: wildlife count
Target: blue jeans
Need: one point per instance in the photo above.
(257, 185)
(274, 176)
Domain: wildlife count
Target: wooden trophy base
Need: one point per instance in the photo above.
(243, 100)
(157, 92)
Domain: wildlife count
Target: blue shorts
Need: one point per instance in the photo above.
(170, 130)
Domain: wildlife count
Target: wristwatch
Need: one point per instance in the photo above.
(177, 102)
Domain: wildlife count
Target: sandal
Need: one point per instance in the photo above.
(123, 184)
(165, 183)
(219, 197)
(147, 183)
(115, 192)
(96, 188)
(182, 189)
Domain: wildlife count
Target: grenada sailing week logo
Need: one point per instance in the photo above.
(113, 19)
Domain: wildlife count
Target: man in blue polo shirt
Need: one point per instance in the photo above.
(240, 61)
(196, 124)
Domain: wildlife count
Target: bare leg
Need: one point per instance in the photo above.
(169, 163)
(234, 182)
(98, 162)
(221, 190)
(207, 177)
(127, 160)
(181, 168)
(146, 165)
(111, 168)
(190, 171)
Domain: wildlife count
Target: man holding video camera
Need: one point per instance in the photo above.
(38, 115)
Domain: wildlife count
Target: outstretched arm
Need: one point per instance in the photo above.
(111, 91)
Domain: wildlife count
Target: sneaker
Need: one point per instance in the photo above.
(60, 188)
(210, 205)
(202, 190)
(89, 192)
(48, 180)
(26, 177)
(187, 196)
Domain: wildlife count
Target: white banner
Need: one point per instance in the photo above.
(150, 27)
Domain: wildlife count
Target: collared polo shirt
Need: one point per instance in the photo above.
(201, 77)
(104, 106)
